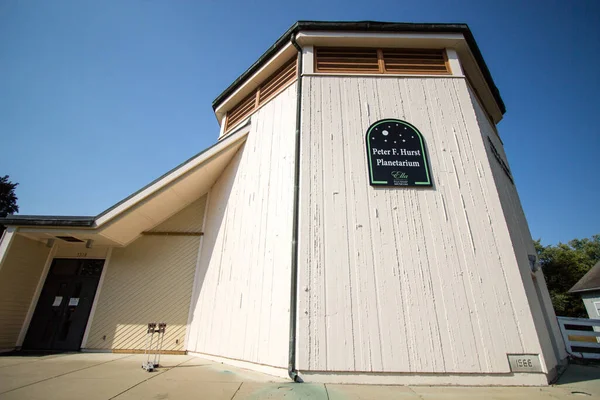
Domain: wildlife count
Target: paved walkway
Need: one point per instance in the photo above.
(117, 376)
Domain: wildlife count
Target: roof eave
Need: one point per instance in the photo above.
(232, 140)
(48, 220)
(372, 26)
(576, 291)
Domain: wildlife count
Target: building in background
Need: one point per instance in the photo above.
(356, 221)
(588, 287)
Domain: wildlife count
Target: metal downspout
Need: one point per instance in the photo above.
(292, 371)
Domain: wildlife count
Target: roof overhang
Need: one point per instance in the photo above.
(589, 282)
(48, 220)
(144, 209)
(242, 90)
(368, 33)
(594, 289)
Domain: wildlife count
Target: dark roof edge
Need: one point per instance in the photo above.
(48, 220)
(588, 282)
(372, 26)
(224, 139)
(592, 289)
(89, 221)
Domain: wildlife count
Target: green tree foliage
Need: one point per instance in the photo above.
(563, 265)
(8, 198)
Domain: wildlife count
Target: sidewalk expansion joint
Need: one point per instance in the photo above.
(154, 375)
(416, 394)
(66, 373)
(238, 389)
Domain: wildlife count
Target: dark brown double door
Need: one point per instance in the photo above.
(64, 306)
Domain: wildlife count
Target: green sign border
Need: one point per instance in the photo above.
(383, 121)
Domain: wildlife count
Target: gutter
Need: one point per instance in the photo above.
(292, 371)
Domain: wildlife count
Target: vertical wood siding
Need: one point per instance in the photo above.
(19, 277)
(149, 280)
(403, 280)
(522, 244)
(241, 309)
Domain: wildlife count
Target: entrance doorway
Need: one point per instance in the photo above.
(64, 306)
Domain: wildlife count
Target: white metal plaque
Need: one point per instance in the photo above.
(525, 363)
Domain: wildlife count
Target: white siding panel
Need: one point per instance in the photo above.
(403, 280)
(149, 280)
(187, 220)
(523, 246)
(19, 276)
(243, 294)
(590, 300)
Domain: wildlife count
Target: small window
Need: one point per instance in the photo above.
(597, 307)
(381, 61)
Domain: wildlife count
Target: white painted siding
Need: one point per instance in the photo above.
(149, 280)
(403, 280)
(19, 277)
(589, 300)
(537, 292)
(241, 310)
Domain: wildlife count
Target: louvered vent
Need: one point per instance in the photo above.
(277, 82)
(272, 86)
(70, 239)
(399, 61)
(380, 61)
(241, 110)
(347, 60)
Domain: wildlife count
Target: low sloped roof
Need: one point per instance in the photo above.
(590, 281)
(147, 207)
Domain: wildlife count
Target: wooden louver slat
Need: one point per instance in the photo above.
(272, 86)
(398, 61)
(346, 60)
(241, 110)
(278, 81)
(380, 61)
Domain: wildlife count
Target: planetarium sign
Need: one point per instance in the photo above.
(396, 154)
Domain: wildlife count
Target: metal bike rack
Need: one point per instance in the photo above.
(154, 345)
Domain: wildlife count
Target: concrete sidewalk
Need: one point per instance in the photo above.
(118, 376)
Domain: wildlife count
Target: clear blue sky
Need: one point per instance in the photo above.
(98, 98)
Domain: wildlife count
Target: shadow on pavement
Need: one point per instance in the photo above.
(581, 379)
